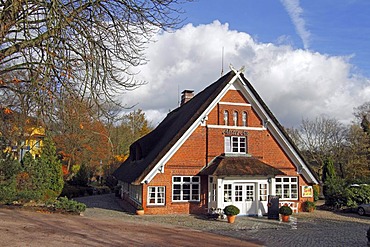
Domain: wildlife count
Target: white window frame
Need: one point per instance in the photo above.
(263, 191)
(244, 118)
(228, 192)
(226, 117)
(288, 183)
(159, 195)
(235, 118)
(186, 181)
(234, 144)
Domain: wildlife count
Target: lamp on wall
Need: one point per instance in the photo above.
(299, 169)
(269, 180)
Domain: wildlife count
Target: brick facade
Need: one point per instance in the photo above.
(191, 150)
(205, 144)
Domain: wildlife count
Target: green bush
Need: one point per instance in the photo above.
(231, 210)
(63, 203)
(339, 194)
(82, 176)
(285, 210)
(72, 191)
(316, 192)
(38, 180)
(335, 192)
(357, 195)
(308, 206)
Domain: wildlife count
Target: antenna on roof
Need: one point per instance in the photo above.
(178, 94)
(222, 62)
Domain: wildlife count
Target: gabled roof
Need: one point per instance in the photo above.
(239, 166)
(155, 145)
(158, 142)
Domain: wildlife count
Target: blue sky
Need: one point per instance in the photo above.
(306, 59)
(339, 27)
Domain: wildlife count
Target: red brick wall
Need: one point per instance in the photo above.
(205, 144)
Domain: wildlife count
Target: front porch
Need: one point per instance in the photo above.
(247, 182)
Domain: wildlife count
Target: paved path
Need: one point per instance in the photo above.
(320, 228)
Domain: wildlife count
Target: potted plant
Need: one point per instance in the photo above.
(139, 210)
(308, 206)
(285, 212)
(231, 212)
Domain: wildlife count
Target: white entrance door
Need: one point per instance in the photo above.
(245, 198)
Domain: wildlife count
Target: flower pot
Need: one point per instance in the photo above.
(231, 218)
(140, 212)
(285, 218)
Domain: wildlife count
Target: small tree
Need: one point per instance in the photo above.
(52, 171)
(328, 174)
(82, 176)
(9, 169)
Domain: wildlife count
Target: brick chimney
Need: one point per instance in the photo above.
(186, 95)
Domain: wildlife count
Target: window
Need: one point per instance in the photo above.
(185, 188)
(213, 190)
(226, 118)
(238, 193)
(135, 192)
(227, 192)
(244, 118)
(156, 195)
(235, 144)
(287, 187)
(235, 118)
(263, 192)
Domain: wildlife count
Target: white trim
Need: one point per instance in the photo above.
(233, 103)
(268, 124)
(279, 136)
(159, 167)
(212, 126)
(156, 197)
(191, 189)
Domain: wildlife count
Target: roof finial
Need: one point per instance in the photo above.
(241, 70)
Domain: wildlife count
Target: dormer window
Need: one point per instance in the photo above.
(135, 152)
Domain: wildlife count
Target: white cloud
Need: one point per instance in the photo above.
(295, 12)
(295, 84)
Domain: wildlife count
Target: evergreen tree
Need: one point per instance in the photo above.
(328, 175)
(328, 170)
(52, 171)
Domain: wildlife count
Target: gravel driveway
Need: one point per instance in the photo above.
(320, 228)
(104, 223)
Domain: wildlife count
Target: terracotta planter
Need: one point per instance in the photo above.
(285, 218)
(231, 218)
(139, 212)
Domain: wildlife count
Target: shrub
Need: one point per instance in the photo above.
(340, 194)
(82, 176)
(357, 195)
(316, 192)
(231, 210)
(285, 210)
(336, 193)
(308, 206)
(63, 203)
